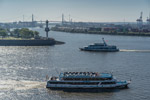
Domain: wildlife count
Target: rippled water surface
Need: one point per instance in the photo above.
(23, 69)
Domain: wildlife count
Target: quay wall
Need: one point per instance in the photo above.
(35, 42)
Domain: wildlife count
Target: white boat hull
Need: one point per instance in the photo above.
(68, 86)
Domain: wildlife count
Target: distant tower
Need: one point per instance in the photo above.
(140, 21)
(23, 24)
(63, 19)
(33, 24)
(148, 20)
(47, 29)
(23, 18)
(32, 18)
(69, 18)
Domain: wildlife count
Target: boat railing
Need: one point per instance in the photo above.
(81, 74)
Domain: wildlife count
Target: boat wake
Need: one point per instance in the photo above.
(20, 85)
(127, 50)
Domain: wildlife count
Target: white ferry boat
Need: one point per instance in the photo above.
(100, 47)
(85, 81)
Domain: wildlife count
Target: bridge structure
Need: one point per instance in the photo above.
(34, 23)
(29, 24)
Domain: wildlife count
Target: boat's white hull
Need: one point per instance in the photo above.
(100, 50)
(85, 81)
(68, 86)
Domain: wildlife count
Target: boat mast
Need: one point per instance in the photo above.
(104, 42)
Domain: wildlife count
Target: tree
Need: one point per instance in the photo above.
(36, 33)
(16, 32)
(26, 33)
(3, 32)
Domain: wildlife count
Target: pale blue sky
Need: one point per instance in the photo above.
(79, 10)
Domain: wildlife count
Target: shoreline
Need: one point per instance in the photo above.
(101, 33)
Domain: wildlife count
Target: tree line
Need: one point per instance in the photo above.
(19, 33)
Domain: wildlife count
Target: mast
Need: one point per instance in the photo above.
(104, 42)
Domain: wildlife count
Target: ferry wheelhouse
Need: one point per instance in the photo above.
(100, 47)
(85, 81)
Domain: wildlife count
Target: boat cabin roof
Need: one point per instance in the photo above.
(102, 44)
(85, 75)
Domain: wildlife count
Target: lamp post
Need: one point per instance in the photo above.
(47, 29)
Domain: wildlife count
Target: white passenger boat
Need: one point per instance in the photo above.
(100, 47)
(86, 81)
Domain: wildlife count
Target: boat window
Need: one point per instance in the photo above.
(108, 83)
(87, 79)
(76, 83)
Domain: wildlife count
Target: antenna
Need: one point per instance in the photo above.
(47, 77)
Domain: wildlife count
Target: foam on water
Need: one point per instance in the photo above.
(20, 85)
(127, 50)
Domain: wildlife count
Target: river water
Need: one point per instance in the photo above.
(23, 69)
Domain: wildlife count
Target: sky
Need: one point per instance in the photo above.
(79, 10)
